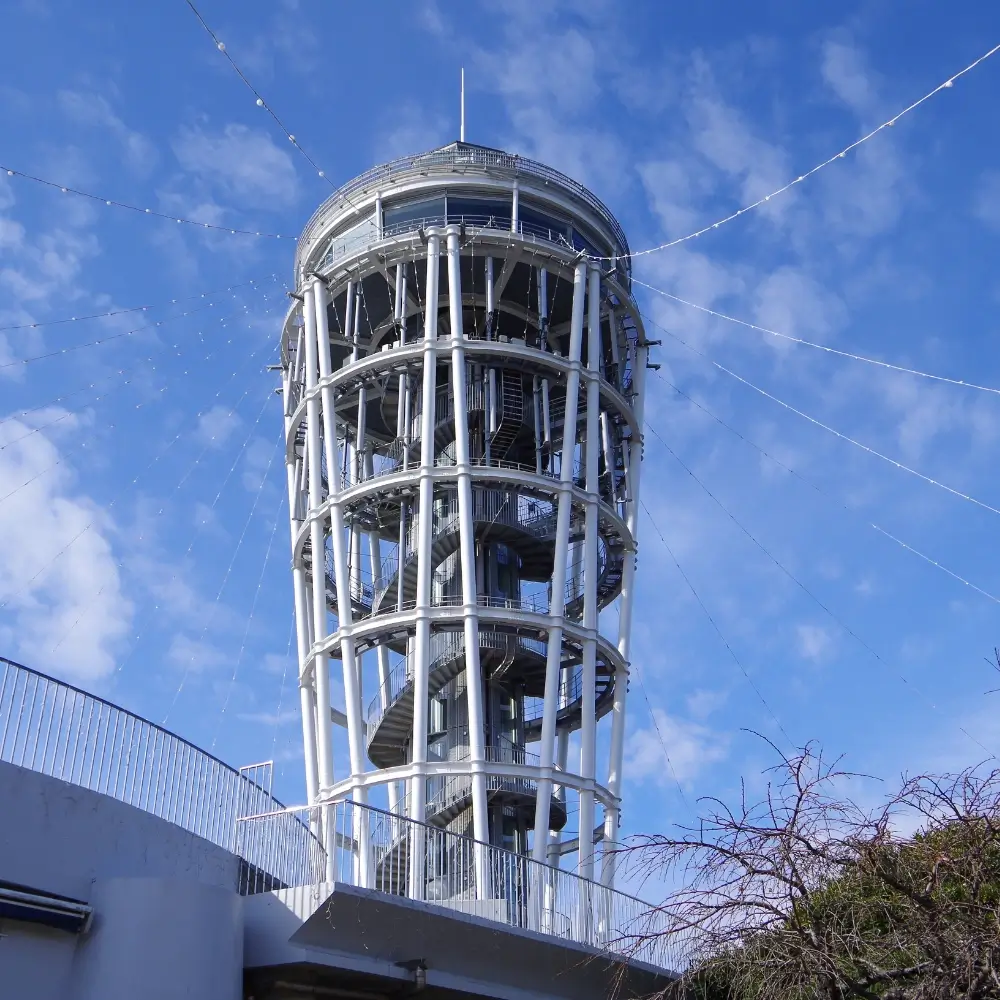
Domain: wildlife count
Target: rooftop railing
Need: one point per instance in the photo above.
(56, 729)
(457, 158)
(366, 847)
(59, 730)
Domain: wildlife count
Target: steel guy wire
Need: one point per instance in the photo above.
(718, 631)
(950, 82)
(20, 414)
(131, 309)
(84, 443)
(281, 689)
(829, 496)
(104, 340)
(634, 666)
(229, 569)
(819, 347)
(195, 533)
(798, 583)
(261, 103)
(103, 395)
(17, 415)
(115, 203)
(831, 430)
(121, 561)
(256, 596)
(118, 496)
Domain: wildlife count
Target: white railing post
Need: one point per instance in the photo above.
(467, 542)
(557, 607)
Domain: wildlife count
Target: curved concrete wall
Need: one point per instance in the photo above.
(159, 939)
(167, 915)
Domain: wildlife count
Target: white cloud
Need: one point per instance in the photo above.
(844, 73)
(790, 301)
(242, 162)
(93, 110)
(723, 136)
(986, 206)
(703, 702)
(196, 655)
(412, 127)
(64, 605)
(814, 642)
(257, 459)
(691, 747)
(216, 426)
(279, 664)
(281, 718)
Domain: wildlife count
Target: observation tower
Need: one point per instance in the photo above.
(463, 370)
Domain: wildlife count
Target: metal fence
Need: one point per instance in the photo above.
(466, 158)
(59, 730)
(367, 847)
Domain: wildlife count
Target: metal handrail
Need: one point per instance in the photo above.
(384, 852)
(447, 160)
(54, 728)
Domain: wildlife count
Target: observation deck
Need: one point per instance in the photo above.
(463, 371)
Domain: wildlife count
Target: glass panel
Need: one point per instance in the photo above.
(584, 241)
(417, 214)
(480, 212)
(358, 236)
(540, 224)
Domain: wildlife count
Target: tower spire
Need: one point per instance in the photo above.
(461, 133)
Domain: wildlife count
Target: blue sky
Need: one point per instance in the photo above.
(148, 560)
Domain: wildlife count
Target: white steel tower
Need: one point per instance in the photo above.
(463, 384)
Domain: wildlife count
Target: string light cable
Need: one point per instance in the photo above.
(136, 368)
(798, 583)
(153, 213)
(159, 513)
(261, 103)
(946, 85)
(281, 689)
(196, 533)
(132, 309)
(819, 423)
(63, 456)
(106, 340)
(715, 626)
(121, 566)
(232, 561)
(819, 347)
(829, 496)
(634, 668)
(256, 597)
(118, 496)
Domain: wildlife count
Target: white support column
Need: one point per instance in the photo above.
(349, 660)
(317, 544)
(559, 791)
(425, 568)
(588, 710)
(611, 814)
(514, 209)
(470, 599)
(546, 425)
(558, 605)
(303, 630)
(543, 308)
(536, 410)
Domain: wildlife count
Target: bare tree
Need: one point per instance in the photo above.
(807, 895)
